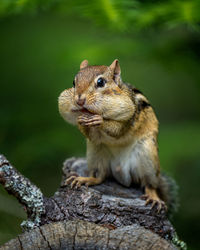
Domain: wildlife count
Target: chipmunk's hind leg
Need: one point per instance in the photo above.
(78, 181)
(152, 197)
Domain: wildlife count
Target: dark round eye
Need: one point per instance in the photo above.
(74, 83)
(101, 82)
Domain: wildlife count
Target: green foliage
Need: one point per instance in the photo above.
(42, 45)
(126, 15)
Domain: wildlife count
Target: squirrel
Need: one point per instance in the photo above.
(121, 130)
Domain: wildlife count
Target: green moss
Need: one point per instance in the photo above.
(179, 243)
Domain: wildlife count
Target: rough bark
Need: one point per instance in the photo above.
(86, 235)
(27, 194)
(107, 216)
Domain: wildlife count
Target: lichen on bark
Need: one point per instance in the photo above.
(27, 194)
(114, 215)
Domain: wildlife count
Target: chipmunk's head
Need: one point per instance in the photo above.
(95, 85)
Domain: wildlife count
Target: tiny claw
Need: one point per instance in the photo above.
(148, 201)
(78, 185)
(159, 207)
(154, 203)
(163, 206)
(152, 197)
(73, 183)
(69, 180)
(159, 204)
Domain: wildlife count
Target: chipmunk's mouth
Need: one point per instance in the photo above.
(83, 110)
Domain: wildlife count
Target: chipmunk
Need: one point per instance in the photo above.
(121, 130)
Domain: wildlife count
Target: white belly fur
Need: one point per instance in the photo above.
(127, 165)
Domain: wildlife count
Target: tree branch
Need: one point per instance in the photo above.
(27, 194)
(107, 216)
(85, 235)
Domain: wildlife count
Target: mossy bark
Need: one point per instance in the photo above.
(107, 216)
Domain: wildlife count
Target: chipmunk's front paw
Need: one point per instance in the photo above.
(78, 181)
(92, 120)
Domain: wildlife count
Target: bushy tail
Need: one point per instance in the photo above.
(168, 192)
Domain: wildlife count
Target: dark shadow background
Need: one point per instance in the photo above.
(41, 47)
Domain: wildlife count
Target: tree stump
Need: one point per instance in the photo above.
(107, 216)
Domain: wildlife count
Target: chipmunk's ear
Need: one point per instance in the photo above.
(84, 64)
(115, 68)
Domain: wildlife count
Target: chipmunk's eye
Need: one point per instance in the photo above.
(74, 83)
(101, 82)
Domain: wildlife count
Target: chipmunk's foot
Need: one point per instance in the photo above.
(90, 120)
(152, 198)
(78, 181)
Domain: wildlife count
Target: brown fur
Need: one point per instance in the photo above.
(117, 119)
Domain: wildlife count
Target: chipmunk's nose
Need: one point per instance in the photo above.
(80, 101)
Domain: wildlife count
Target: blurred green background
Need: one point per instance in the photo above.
(41, 46)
